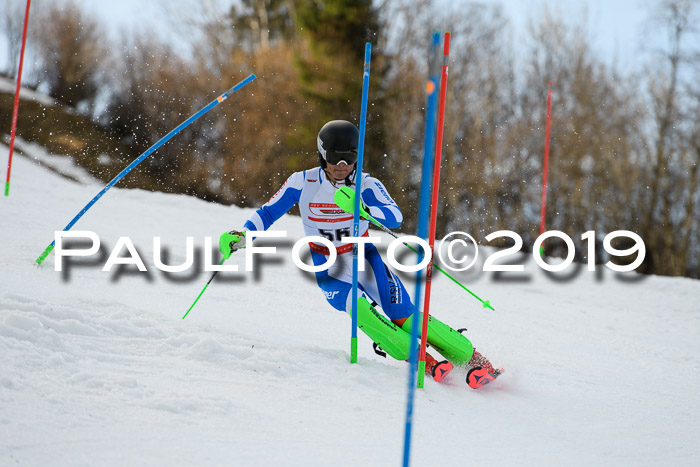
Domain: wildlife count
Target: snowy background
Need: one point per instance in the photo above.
(100, 368)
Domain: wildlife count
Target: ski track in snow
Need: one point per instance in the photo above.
(100, 369)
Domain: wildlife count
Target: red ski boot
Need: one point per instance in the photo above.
(438, 370)
(480, 371)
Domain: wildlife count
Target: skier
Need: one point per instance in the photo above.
(314, 191)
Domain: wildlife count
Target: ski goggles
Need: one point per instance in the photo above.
(335, 157)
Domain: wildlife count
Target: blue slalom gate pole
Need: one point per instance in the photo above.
(422, 232)
(358, 193)
(148, 152)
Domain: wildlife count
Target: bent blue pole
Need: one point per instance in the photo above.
(358, 193)
(422, 232)
(148, 152)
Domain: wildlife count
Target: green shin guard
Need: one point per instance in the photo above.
(449, 342)
(390, 337)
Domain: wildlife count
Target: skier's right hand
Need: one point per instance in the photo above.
(230, 242)
(345, 199)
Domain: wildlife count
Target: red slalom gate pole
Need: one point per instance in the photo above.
(15, 108)
(546, 163)
(433, 211)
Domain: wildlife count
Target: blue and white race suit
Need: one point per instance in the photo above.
(314, 193)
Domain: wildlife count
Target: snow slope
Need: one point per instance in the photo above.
(100, 369)
(9, 86)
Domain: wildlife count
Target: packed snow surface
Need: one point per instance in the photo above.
(99, 368)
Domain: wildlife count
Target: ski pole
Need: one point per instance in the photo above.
(485, 303)
(205, 288)
(233, 249)
(148, 152)
(342, 192)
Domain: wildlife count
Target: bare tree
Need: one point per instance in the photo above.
(690, 231)
(154, 90)
(477, 189)
(403, 113)
(673, 179)
(11, 26)
(594, 174)
(69, 46)
(479, 103)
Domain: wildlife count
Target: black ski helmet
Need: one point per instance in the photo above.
(338, 141)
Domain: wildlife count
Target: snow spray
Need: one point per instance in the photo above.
(143, 156)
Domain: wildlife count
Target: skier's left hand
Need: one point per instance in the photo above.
(230, 242)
